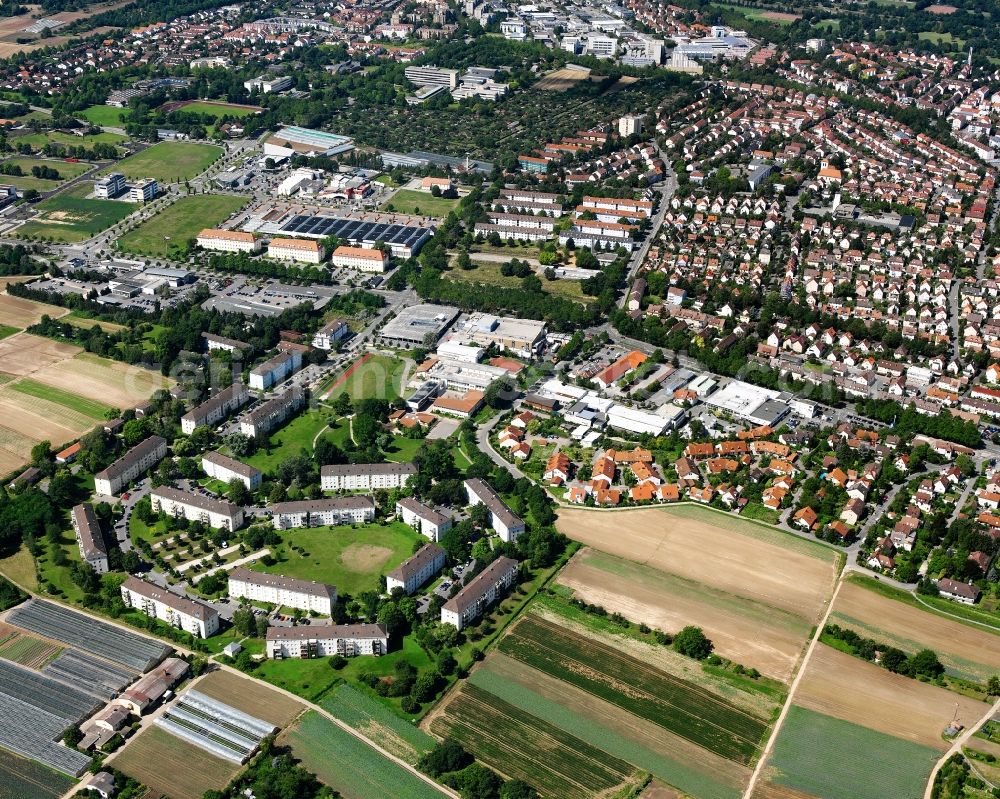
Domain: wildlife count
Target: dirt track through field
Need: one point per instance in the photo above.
(731, 561)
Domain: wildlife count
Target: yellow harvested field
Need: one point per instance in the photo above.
(22, 428)
(8, 279)
(964, 650)
(251, 696)
(770, 790)
(746, 631)
(111, 382)
(734, 556)
(19, 312)
(562, 79)
(851, 689)
(23, 354)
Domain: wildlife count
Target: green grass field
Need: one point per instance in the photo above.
(168, 233)
(168, 161)
(39, 140)
(105, 115)
(27, 181)
(377, 723)
(489, 274)
(7, 330)
(86, 323)
(756, 14)
(380, 376)
(20, 779)
(512, 740)
(836, 759)
(350, 558)
(219, 110)
(589, 729)
(678, 705)
(296, 436)
(349, 765)
(84, 405)
(409, 201)
(69, 216)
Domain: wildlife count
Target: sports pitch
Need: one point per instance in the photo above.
(169, 232)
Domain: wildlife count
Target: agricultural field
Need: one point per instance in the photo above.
(27, 650)
(488, 273)
(171, 767)
(821, 756)
(377, 723)
(251, 696)
(105, 116)
(745, 630)
(562, 79)
(422, 203)
(170, 232)
(21, 778)
(88, 407)
(22, 313)
(168, 161)
(522, 746)
(349, 765)
(7, 330)
(66, 169)
(72, 216)
(351, 558)
(965, 651)
(373, 376)
(718, 550)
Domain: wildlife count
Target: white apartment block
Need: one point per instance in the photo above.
(186, 614)
(197, 508)
(330, 334)
(306, 251)
(484, 589)
(505, 523)
(326, 640)
(227, 241)
(425, 520)
(214, 342)
(222, 467)
(323, 512)
(93, 551)
(281, 591)
(138, 460)
(425, 564)
(365, 476)
(275, 369)
(360, 258)
(216, 408)
(272, 413)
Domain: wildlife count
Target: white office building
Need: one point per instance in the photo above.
(109, 186)
(326, 640)
(186, 614)
(432, 76)
(282, 591)
(330, 334)
(323, 512)
(142, 191)
(197, 508)
(365, 476)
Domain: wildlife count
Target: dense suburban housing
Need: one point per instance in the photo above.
(365, 476)
(89, 538)
(213, 410)
(505, 522)
(289, 592)
(324, 640)
(416, 570)
(423, 519)
(320, 512)
(197, 508)
(468, 604)
(138, 460)
(195, 617)
(224, 468)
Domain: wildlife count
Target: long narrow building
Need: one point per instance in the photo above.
(417, 569)
(289, 592)
(505, 522)
(323, 512)
(197, 508)
(138, 460)
(222, 467)
(264, 418)
(216, 408)
(186, 614)
(484, 589)
(89, 538)
(365, 476)
(325, 640)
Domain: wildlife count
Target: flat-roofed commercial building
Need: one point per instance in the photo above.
(111, 185)
(292, 140)
(227, 240)
(89, 538)
(505, 523)
(197, 508)
(275, 369)
(323, 512)
(425, 564)
(520, 336)
(142, 191)
(222, 467)
(360, 258)
(404, 241)
(432, 76)
(326, 640)
(307, 251)
(186, 614)
(484, 589)
(272, 413)
(422, 518)
(365, 476)
(138, 460)
(282, 591)
(418, 326)
(216, 408)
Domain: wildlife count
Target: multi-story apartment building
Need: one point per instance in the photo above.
(330, 334)
(138, 460)
(197, 508)
(89, 537)
(417, 569)
(275, 369)
(423, 519)
(322, 512)
(360, 258)
(326, 640)
(305, 251)
(432, 76)
(216, 408)
(365, 476)
(282, 591)
(224, 468)
(505, 522)
(484, 589)
(227, 241)
(264, 418)
(186, 614)
(214, 342)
